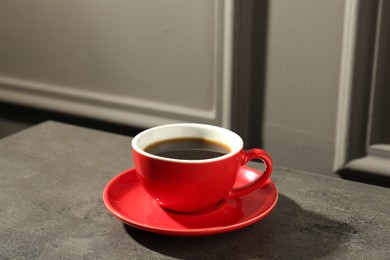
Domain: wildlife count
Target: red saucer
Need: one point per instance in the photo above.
(126, 199)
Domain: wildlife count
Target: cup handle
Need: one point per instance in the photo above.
(249, 155)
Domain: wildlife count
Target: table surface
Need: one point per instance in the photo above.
(53, 176)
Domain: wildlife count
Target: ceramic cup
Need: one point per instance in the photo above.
(190, 186)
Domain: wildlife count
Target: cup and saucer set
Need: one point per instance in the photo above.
(191, 180)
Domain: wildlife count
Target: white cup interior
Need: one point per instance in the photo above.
(187, 130)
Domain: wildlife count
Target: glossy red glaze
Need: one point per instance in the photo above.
(127, 200)
(186, 187)
(190, 186)
(260, 180)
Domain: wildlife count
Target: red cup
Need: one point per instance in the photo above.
(190, 186)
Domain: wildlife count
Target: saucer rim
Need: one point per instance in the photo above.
(186, 231)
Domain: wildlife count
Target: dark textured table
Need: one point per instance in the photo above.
(53, 176)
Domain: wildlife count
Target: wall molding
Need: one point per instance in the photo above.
(345, 83)
(129, 110)
(357, 151)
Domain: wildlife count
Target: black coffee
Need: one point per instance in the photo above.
(188, 149)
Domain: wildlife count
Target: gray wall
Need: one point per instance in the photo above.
(174, 55)
(142, 62)
(302, 82)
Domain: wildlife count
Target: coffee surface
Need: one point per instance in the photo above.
(188, 149)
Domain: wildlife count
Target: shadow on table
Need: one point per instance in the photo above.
(289, 232)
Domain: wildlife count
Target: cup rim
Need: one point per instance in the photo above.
(234, 148)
